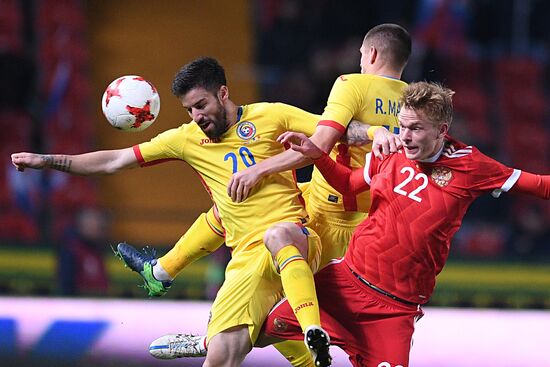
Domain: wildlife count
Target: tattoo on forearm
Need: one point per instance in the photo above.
(356, 134)
(58, 162)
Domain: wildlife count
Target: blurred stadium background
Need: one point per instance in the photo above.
(57, 56)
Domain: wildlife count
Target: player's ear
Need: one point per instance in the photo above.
(223, 93)
(373, 53)
(443, 129)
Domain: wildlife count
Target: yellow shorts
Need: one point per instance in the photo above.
(251, 288)
(334, 229)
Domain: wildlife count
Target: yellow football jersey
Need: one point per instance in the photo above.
(368, 98)
(252, 139)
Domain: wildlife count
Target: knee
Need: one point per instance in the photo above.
(278, 236)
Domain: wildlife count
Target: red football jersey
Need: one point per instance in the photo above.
(416, 209)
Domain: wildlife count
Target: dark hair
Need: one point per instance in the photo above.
(392, 41)
(204, 72)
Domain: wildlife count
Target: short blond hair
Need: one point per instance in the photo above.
(431, 99)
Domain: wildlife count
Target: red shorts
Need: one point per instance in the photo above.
(373, 329)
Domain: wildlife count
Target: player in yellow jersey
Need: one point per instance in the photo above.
(272, 249)
(371, 96)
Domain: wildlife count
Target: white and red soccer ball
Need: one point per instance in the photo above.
(131, 103)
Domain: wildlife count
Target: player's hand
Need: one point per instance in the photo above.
(241, 184)
(300, 143)
(385, 143)
(23, 160)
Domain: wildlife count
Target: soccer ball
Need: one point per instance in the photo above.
(131, 103)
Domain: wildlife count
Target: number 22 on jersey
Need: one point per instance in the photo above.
(401, 188)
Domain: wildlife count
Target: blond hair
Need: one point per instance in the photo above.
(433, 100)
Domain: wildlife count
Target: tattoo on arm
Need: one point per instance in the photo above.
(356, 134)
(58, 162)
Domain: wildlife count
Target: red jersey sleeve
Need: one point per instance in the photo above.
(342, 178)
(487, 174)
(537, 185)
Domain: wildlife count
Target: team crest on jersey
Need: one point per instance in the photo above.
(442, 176)
(279, 324)
(246, 130)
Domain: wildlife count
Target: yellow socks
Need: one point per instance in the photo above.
(203, 237)
(298, 285)
(296, 352)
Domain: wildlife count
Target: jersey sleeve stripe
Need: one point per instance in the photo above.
(460, 153)
(367, 167)
(138, 155)
(141, 160)
(332, 124)
(510, 182)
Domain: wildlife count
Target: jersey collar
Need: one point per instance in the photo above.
(239, 114)
(435, 157)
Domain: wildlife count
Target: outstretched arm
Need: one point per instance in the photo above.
(532, 184)
(342, 178)
(101, 162)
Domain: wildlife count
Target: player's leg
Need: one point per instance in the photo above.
(203, 237)
(296, 251)
(388, 332)
(288, 244)
(334, 234)
(296, 352)
(341, 301)
(385, 326)
(172, 346)
(228, 348)
(250, 290)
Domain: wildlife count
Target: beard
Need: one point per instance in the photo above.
(219, 125)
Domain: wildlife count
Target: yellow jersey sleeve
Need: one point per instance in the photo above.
(371, 99)
(296, 119)
(344, 102)
(167, 145)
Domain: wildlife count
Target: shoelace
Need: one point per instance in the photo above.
(184, 342)
(148, 253)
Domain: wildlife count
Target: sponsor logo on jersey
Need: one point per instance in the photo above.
(442, 176)
(207, 141)
(246, 130)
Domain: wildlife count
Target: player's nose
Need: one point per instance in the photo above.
(197, 116)
(405, 134)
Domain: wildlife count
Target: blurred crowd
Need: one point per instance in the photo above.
(492, 53)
